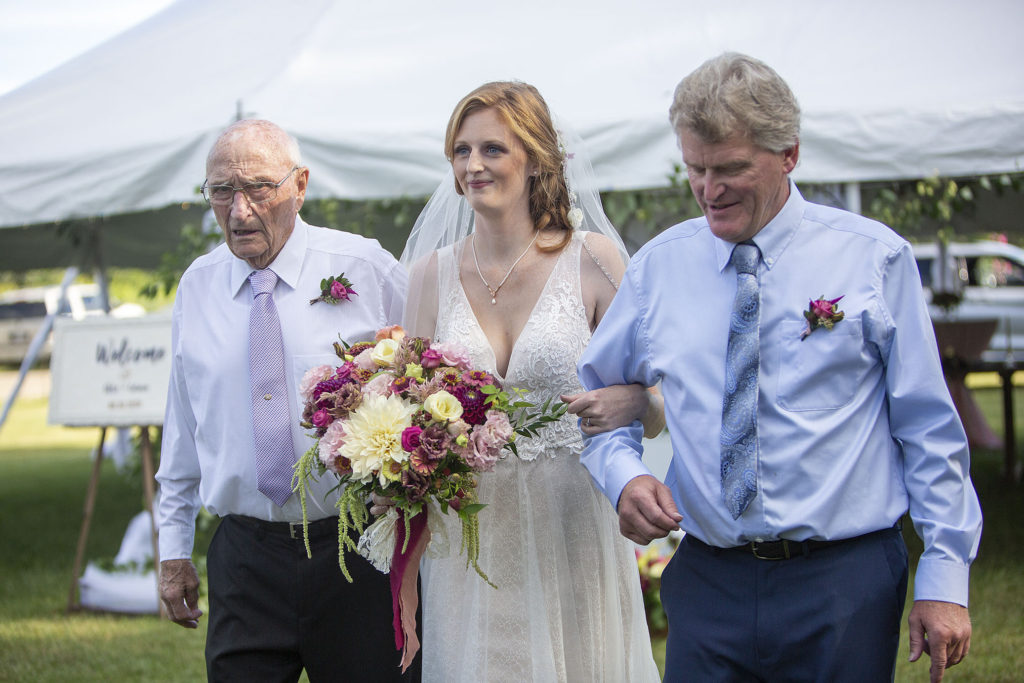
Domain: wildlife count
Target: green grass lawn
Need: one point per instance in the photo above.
(44, 472)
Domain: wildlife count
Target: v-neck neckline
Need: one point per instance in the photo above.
(529, 319)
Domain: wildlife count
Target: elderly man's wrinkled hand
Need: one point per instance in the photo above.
(647, 510)
(380, 504)
(179, 590)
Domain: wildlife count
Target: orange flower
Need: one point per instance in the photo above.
(390, 332)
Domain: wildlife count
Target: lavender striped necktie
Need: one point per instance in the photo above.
(272, 443)
(739, 405)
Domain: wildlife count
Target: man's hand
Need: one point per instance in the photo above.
(943, 630)
(380, 504)
(646, 510)
(179, 589)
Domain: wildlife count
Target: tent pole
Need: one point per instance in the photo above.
(852, 192)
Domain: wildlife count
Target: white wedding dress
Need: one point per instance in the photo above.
(568, 605)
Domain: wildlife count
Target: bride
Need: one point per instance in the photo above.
(521, 276)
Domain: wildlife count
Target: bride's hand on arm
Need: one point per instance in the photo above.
(600, 410)
(607, 408)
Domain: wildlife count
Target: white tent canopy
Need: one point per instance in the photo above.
(888, 89)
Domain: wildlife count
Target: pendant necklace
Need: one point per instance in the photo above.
(494, 290)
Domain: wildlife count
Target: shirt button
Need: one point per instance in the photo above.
(758, 540)
(267, 397)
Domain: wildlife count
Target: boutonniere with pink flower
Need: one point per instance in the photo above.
(334, 289)
(822, 312)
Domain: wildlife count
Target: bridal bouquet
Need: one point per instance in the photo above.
(411, 421)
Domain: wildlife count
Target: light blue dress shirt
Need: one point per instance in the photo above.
(206, 456)
(855, 424)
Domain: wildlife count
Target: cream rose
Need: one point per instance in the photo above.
(384, 352)
(443, 407)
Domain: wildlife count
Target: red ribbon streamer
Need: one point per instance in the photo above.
(405, 570)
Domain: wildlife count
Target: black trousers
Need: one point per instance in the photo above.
(273, 611)
(832, 615)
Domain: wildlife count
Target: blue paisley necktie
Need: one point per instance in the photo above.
(739, 404)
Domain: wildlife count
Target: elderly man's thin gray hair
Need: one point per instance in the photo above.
(273, 135)
(736, 94)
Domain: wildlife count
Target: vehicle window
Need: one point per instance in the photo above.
(63, 307)
(92, 303)
(924, 265)
(22, 309)
(993, 271)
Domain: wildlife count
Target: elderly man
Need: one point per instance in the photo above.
(244, 333)
(807, 413)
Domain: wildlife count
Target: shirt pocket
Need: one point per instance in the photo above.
(823, 371)
(300, 366)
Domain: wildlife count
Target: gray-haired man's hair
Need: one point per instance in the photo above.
(734, 93)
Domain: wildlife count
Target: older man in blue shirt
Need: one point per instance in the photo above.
(799, 441)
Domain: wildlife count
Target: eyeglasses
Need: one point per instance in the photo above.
(256, 193)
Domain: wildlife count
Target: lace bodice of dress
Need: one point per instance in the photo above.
(543, 360)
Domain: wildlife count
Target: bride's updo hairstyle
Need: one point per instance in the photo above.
(525, 112)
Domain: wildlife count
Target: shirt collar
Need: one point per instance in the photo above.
(773, 238)
(286, 266)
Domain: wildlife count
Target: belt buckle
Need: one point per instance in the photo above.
(754, 546)
(292, 526)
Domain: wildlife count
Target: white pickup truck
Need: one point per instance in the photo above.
(990, 278)
(22, 312)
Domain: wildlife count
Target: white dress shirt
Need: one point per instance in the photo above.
(855, 424)
(206, 457)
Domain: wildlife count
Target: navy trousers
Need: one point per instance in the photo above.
(832, 614)
(273, 611)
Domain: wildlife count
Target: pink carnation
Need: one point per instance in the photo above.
(434, 442)
(497, 427)
(313, 377)
(363, 361)
(488, 439)
(454, 354)
(379, 386)
(483, 455)
(330, 442)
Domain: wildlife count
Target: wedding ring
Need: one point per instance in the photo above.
(588, 421)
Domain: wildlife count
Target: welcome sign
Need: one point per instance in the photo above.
(109, 371)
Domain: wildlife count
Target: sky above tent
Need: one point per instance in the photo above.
(37, 37)
(891, 90)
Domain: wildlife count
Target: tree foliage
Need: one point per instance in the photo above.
(930, 207)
